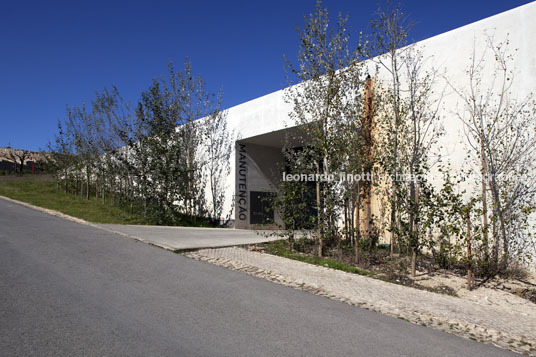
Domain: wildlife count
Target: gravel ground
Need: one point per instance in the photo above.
(484, 320)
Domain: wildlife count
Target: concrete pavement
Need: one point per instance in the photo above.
(190, 237)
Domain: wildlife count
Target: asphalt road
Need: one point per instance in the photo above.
(71, 289)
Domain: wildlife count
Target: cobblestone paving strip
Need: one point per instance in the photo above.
(497, 325)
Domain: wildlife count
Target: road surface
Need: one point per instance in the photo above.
(68, 289)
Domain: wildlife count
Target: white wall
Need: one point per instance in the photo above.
(449, 51)
(262, 115)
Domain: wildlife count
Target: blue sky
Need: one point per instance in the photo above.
(58, 53)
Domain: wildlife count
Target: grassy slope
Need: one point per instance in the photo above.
(42, 192)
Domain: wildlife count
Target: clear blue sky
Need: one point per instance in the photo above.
(58, 53)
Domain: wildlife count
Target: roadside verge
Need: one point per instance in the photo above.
(79, 220)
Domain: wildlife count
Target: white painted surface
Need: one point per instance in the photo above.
(449, 51)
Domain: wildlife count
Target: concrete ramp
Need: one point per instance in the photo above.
(174, 238)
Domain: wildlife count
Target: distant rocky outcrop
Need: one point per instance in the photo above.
(19, 160)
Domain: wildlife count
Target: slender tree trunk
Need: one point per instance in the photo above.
(413, 262)
(414, 228)
(469, 254)
(502, 230)
(357, 223)
(505, 257)
(495, 235)
(484, 170)
(367, 186)
(112, 187)
(87, 182)
(131, 186)
(319, 213)
(346, 229)
(396, 110)
(352, 218)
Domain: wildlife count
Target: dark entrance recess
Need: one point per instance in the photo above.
(262, 207)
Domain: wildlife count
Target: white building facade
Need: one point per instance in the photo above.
(260, 124)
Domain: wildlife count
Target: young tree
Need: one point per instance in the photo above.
(218, 147)
(82, 131)
(328, 94)
(168, 153)
(500, 132)
(423, 132)
(121, 163)
(159, 153)
(193, 102)
(19, 156)
(359, 140)
(408, 128)
(61, 157)
(113, 126)
(390, 32)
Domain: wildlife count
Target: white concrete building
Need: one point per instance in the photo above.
(261, 122)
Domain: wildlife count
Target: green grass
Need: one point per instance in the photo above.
(280, 247)
(327, 262)
(42, 192)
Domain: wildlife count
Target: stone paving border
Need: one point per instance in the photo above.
(468, 319)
